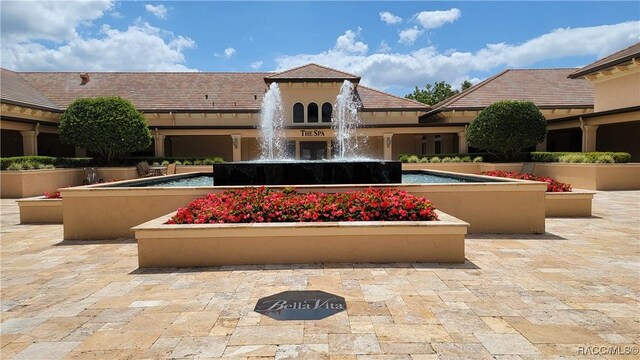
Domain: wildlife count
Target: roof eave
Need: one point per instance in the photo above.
(587, 71)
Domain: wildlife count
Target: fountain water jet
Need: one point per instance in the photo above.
(345, 122)
(272, 136)
(274, 169)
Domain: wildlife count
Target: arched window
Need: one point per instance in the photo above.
(327, 112)
(312, 113)
(298, 113)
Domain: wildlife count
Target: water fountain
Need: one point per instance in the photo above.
(272, 136)
(274, 169)
(345, 122)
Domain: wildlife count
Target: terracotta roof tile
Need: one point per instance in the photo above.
(547, 88)
(157, 91)
(375, 99)
(617, 58)
(312, 71)
(14, 88)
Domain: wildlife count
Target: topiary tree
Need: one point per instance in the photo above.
(505, 128)
(108, 126)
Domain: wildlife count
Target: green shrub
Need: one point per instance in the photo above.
(578, 157)
(435, 160)
(446, 159)
(423, 159)
(571, 158)
(604, 159)
(412, 159)
(177, 162)
(165, 163)
(108, 126)
(15, 166)
(477, 159)
(155, 163)
(506, 128)
(456, 159)
(187, 163)
(466, 159)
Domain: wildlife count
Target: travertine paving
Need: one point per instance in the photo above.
(572, 291)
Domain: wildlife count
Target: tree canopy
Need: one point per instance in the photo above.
(505, 128)
(433, 94)
(108, 126)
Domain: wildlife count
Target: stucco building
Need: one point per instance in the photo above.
(217, 114)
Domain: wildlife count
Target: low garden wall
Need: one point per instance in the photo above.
(163, 245)
(593, 176)
(98, 212)
(26, 183)
(576, 203)
(40, 210)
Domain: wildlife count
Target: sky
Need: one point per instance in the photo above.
(393, 46)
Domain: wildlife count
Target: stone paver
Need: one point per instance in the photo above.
(517, 297)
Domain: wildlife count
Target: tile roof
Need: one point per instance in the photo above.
(15, 89)
(375, 99)
(312, 71)
(617, 58)
(547, 88)
(155, 91)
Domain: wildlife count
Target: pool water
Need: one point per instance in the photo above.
(410, 177)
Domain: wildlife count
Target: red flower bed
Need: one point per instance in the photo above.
(52, 195)
(552, 184)
(261, 204)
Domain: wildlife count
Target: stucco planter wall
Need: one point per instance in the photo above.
(162, 245)
(569, 204)
(593, 176)
(181, 169)
(40, 210)
(26, 183)
(495, 207)
(467, 168)
(117, 173)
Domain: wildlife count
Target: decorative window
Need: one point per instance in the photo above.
(327, 112)
(298, 113)
(312, 113)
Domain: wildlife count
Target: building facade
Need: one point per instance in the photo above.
(218, 114)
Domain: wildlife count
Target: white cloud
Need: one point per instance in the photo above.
(229, 52)
(141, 47)
(409, 36)
(159, 11)
(257, 64)
(48, 20)
(389, 18)
(427, 64)
(347, 43)
(384, 47)
(436, 19)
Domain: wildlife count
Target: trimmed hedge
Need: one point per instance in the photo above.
(40, 162)
(419, 158)
(48, 162)
(177, 160)
(580, 157)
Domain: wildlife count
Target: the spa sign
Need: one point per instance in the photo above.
(307, 133)
(300, 305)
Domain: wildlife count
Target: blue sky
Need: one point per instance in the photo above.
(392, 45)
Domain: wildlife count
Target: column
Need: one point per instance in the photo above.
(542, 146)
(81, 152)
(589, 138)
(387, 145)
(462, 142)
(236, 142)
(29, 143)
(158, 145)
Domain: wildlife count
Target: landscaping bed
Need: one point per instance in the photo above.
(40, 210)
